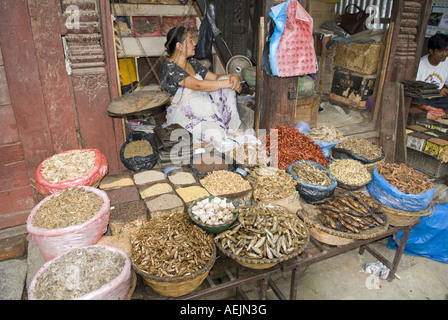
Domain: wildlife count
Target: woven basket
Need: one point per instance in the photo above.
(253, 263)
(405, 218)
(352, 187)
(177, 286)
(334, 237)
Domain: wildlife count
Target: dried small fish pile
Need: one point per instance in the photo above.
(351, 212)
(224, 182)
(443, 156)
(362, 147)
(349, 171)
(250, 154)
(68, 165)
(78, 272)
(270, 183)
(137, 148)
(324, 133)
(312, 174)
(404, 178)
(264, 232)
(171, 246)
(72, 206)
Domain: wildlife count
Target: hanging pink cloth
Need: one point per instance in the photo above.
(296, 55)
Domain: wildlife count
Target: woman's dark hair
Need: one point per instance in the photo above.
(175, 35)
(438, 41)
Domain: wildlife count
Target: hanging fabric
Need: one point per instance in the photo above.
(295, 54)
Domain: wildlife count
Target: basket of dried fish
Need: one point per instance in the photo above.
(314, 181)
(271, 184)
(78, 167)
(346, 217)
(213, 214)
(228, 184)
(172, 255)
(401, 187)
(74, 217)
(94, 272)
(350, 174)
(263, 236)
(405, 218)
(362, 150)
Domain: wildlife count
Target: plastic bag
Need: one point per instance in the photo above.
(205, 41)
(97, 173)
(429, 238)
(116, 289)
(303, 127)
(278, 15)
(311, 192)
(139, 163)
(326, 147)
(390, 196)
(54, 242)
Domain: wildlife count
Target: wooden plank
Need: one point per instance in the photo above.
(389, 119)
(24, 83)
(8, 124)
(145, 9)
(16, 200)
(4, 90)
(53, 75)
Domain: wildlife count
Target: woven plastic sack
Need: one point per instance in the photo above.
(116, 289)
(311, 192)
(390, 196)
(97, 173)
(140, 163)
(54, 242)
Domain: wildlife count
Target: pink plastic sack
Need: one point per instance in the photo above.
(117, 289)
(54, 242)
(295, 54)
(97, 173)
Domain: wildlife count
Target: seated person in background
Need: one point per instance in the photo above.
(201, 101)
(433, 68)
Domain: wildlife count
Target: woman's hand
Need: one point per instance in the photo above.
(235, 83)
(444, 91)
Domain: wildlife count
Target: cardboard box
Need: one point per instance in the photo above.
(352, 85)
(320, 11)
(358, 57)
(435, 146)
(417, 141)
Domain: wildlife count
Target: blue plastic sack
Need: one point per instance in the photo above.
(390, 196)
(429, 238)
(326, 147)
(303, 127)
(311, 192)
(278, 15)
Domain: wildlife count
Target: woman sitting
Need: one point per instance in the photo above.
(201, 101)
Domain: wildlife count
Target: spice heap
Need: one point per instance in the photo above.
(137, 148)
(350, 172)
(223, 182)
(270, 183)
(404, 178)
(78, 272)
(68, 165)
(327, 134)
(191, 193)
(293, 146)
(171, 246)
(263, 231)
(182, 178)
(156, 189)
(311, 174)
(72, 206)
(362, 147)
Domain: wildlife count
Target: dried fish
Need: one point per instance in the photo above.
(222, 182)
(349, 171)
(68, 165)
(312, 174)
(362, 147)
(262, 232)
(171, 246)
(270, 183)
(327, 134)
(404, 178)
